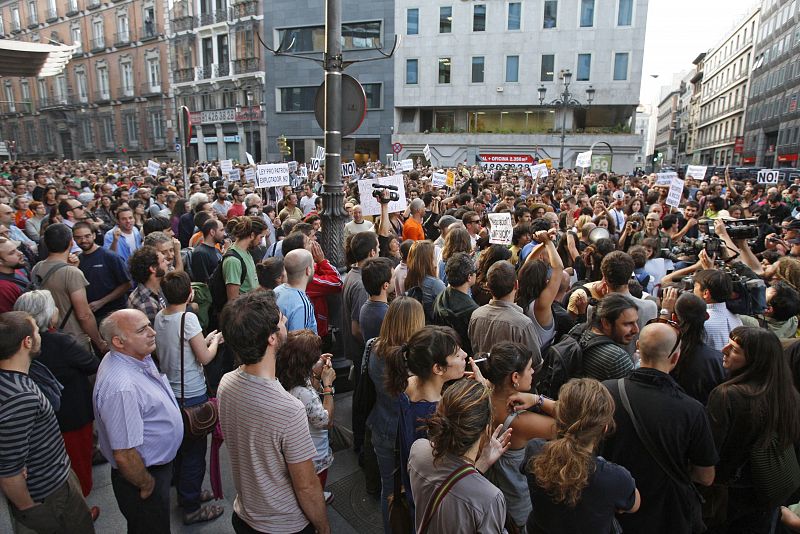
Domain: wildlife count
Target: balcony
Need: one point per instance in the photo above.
(33, 21)
(93, 4)
(72, 8)
(182, 24)
(148, 31)
(122, 38)
(16, 27)
(102, 96)
(55, 101)
(244, 9)
(126, 93)
(223, 69)
(148, 89)
(52, 14)
(183, 75)
(205, 72)
(98, 45)
(250, 64)
(78, 50)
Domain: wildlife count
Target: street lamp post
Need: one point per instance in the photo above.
(565, 101)
(250, 140)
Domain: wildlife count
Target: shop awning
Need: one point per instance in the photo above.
(18, 58)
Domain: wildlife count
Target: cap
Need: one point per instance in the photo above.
(619, 195)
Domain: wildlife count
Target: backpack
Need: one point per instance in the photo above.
(216, 282)
(564, 360)
(186, 257)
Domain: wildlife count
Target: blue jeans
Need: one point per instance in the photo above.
(190, 465)
(384, 451)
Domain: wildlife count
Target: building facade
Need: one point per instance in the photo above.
(217, 72)
(292, 83)
(112, 99)
(726, 76)
(467, 78)
(666, 150)
(772, 122)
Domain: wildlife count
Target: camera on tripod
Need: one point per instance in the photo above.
(378, 189)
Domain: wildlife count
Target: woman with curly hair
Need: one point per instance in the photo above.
(307, 375)
(480, 291)
(456, 432)
(457, 240)
(572, 489)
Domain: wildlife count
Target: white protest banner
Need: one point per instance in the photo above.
(501, 228)
(272, 175)
(698, 172)
(539, 168)
(234, 175)
(584, 160)
(250, 174)
(370, 205)
(250, 159)
(153, 167)
(665, 178)
(225, 165)
(292, 166)
(315, 163)
(303, 171)
(427, 152)
(439, 179)
(320, 152)
(407, 164)
(397, 167)
(764, 177)
(675, 192)
(349, 169)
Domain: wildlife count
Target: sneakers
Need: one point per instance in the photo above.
(328, 497)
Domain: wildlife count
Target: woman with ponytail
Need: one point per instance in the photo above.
(238, 266)
(573, 490)
(509, 367)
(453, 451)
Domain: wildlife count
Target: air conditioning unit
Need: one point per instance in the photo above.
(500, 89)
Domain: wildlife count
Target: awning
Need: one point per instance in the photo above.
(18, 58)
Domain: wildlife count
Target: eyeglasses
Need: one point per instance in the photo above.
(673, 324)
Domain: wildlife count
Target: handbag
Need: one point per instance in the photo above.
(446, 485)
(364, 396)
(775, 472)
(399, 511)
(200, 420)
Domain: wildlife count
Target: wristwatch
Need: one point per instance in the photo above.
(665, 311)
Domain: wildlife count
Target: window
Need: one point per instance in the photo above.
(26, 96)
(625, 13)
(412, 71)
(373, 92)
(477, 69)
(122, 28)
(126, 76)
(154, 73)
(42, 89)
(355, 36)
(61, 89)
(131, 129)
(514, 16)
(621, 66)
(298, 98)
(32, 15)
(445, 19)
(87, 133)
(16, 25)
(587, 13)
(157, 126)
(97, 33)
(512, 68)
(76, 39)
(107, 123)
(548, 68)
(550, 13)
(479, 18)
(102, 82)
(80, 79)
(412, 21)
(584, 67)
(444, 70)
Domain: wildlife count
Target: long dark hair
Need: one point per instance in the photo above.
(489, 257)
(767, 381)
(532, 280)
(429, 346)
(692, 315)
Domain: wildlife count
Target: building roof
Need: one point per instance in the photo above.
(19, 58)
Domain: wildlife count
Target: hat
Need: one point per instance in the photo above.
(619, 195)
(794, 225)
(445, 221)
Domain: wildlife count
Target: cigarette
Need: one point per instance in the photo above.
(479, 360)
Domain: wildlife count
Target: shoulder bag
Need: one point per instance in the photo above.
(448, 483)
(200, 420)
(399, 510)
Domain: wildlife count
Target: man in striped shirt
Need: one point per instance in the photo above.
(614, 325)
(35, 472)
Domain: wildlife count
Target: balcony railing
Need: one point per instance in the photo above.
(72, 8)
(52, 101)
(148, 31)
(150, 89)
(205, 72)
(223, 69)
(92, 4)
(183, 23)
(183, 75)
(122, 38)
(33, 20)
(734, 108)
(126, 93)
(244, 9)
(102, 95)
(52, 14)
(98, 44)
(249, 64)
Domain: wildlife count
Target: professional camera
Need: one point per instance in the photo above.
(691, 247)
(736, 228)
(377, 192)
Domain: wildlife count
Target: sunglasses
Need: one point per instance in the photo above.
(674, 325)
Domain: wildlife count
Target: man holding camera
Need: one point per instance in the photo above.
(715, 288)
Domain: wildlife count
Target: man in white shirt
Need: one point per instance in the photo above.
(308, 200)
(715, 287)
(617, 212)
(358, 224)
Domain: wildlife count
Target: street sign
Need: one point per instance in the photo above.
(177, 147)
(396, 148)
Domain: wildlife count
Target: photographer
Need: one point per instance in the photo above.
(783, 305)
(652, 224)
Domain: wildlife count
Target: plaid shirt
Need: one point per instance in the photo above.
(147, 302)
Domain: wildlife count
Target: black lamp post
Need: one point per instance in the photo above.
(565, 101)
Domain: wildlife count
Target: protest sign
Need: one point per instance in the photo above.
(370, 205)
(584, 160)
(427, 152)
(407, 164)
(320, 152)
(234, 175)
(303, 171)
(315, 163)
(292, 166)
(153, 167)
(675, 192)
(665, 178)
(439, 179)
(250, 174)
(698, 172)
(501, 228)
(764, 177)
(539, 168)
(225, 165)
(349, 169)
(272, 175)
(250, 159)
(451, 179)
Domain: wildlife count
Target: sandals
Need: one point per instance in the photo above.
(205, 496)
(208, 512)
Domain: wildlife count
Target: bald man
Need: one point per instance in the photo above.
(676, 435)
(139, 425)
(291, 296)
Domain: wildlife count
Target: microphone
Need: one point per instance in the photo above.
(389, 187)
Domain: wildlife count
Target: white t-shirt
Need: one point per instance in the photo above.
(168, 330)
(131, 240)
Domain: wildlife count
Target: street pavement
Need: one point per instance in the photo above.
(352, 512)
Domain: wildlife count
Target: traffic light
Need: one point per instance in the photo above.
(656, 156)
(283, 146)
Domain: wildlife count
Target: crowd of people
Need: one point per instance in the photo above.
(622, 365)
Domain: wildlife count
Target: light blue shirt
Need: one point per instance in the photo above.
(297, 308)
(123, 250)
(135, 408)
(18, 235)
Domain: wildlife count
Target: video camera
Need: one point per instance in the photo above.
(377, 192)
(737, 228)
(749, 295)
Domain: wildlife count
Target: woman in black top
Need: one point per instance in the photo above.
(757, 404)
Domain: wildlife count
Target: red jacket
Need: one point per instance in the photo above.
(326, 282)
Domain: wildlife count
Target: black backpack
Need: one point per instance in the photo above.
(216, 282)
(564, 360)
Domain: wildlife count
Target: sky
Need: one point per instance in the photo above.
(678, 31)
